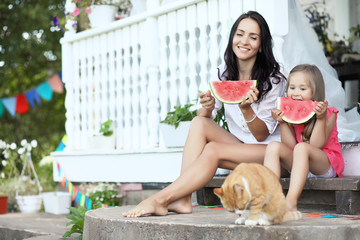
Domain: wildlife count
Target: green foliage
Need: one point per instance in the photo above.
(77, 220)
(103, 193)
(180, 114)
(106, 128)
(30, 53)
(220, 118)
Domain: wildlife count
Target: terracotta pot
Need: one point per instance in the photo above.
(3, 204)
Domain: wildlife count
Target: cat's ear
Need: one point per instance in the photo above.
(218, 192)
(238, 190)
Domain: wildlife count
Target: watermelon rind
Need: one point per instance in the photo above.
(236, 101)
(299, 120)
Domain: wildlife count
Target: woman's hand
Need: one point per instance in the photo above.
(207, 101)
(250, 98)
(277, 114)
(320, 109)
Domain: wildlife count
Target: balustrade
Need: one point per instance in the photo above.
(135, 70)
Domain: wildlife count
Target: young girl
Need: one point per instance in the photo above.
(208, 146)
(306, 150)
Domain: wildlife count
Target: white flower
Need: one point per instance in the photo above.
(2, 175)
(13, 146)
(46, 160)
(23, 142)
(3, 162)
(28, 148)
(6, 154)
(2, 144)
(21, 151)
(34, 143)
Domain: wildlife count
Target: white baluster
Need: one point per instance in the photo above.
(83, 103)
(119, 90)
(127, 88)
(193, 53)
(173, 60)
(97, 87)
(214, 54)
(135, 103)
(111, 75)
(204, 44)
(67, 77)
(164, 65)
(151, 61)
(182, 59)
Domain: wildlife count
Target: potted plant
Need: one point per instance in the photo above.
(28, 189)
(102, 12)
(3, 201)
(105, 138)
(55, 202)
(175, 127)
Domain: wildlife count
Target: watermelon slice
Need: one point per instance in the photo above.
(231, 92)
(296, 112)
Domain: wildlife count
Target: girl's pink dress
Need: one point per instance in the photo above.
(332, 147)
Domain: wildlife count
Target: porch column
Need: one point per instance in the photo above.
(151, 54)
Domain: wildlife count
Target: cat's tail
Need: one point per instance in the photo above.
(292, 215)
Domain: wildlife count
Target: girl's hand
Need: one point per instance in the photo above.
(207, 101)
(277, 114)
(252, 97)
(320, 109)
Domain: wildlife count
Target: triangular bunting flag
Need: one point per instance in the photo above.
(45, 91)
(32, 96)
(10, 104)
(60, 75)
(2, 108)
(21, 104)
(56, 84)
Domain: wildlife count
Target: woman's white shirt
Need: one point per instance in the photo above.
(237, 124)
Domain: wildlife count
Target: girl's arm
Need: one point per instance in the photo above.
(287, 132)
(323, 127)
(207, 102)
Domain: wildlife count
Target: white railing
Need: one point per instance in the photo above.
(135, 70)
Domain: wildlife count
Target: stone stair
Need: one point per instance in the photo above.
(214, 223)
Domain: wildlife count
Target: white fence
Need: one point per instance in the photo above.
(135, 70)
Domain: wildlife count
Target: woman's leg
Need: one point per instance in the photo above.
(196, 173)
(306, 158)
(202, 131)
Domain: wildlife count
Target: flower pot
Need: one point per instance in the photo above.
(102, 142)
(101, 15)
(29, 204)
(57, 202)
(3, 204)
(174, 137)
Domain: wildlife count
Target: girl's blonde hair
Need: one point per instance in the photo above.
(317, 85)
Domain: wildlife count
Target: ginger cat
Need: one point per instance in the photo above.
(254, 192)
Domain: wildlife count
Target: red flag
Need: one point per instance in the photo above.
(21, 104)
(56, 83)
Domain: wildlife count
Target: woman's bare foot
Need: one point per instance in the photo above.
(182, 205)
(147, 207)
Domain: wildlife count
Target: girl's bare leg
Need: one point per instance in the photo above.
(277, 157)
(193, 177)
(306, 157)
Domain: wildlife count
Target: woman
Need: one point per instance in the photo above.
(208, 146)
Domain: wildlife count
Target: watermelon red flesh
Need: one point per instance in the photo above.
(296, 112)
(231, 92)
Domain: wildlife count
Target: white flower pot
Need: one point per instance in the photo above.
(57, 202)
(29, 203)
(101, 15)
(174, 137)
(102, 142)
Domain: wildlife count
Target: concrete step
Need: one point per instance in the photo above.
(208, 223)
